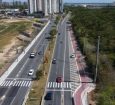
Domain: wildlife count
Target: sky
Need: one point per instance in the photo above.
(78, 1)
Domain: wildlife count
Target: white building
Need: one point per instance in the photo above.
(46, 6)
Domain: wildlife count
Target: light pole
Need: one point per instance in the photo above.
(97, 59)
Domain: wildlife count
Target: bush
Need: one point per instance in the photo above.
(53, 32)
(39, 74)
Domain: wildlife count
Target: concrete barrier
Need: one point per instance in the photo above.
(15, 63)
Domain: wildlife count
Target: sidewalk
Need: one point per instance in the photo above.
(80, 95)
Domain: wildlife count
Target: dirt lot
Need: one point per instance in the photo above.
(9, 44)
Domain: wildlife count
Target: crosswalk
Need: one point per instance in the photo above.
(8, 83)
(66, 85)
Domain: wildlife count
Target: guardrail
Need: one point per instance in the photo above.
(15, 63)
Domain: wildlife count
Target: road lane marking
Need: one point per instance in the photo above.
(59, 85)
(10, 83)
(48, 85)
(53, 84)
(2, 83)
(16, 83)
(29, 84)
(22, 83)
(65, 90)
(22, 68)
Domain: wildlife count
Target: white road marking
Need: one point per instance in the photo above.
(16, 83)
(59, 85)
(67, 90)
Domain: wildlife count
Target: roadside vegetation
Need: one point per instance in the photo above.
(11, 30)
(88, 24)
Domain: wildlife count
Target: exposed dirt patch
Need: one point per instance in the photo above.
(14, 20)
(8, 53)
(91, 98)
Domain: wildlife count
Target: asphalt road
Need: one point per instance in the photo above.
(61, 92)
(15, 87)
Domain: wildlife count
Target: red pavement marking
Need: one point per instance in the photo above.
(81, 66)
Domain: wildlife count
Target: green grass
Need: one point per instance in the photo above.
(12, 31)
(1, 65)
(2, 27)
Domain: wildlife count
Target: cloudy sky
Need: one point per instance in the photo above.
(78, 1)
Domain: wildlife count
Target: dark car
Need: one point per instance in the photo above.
(48, 37)
(48, 96)
(59, 79)
(40, 53)
(61, 41)
(58, 33)
(54, 61)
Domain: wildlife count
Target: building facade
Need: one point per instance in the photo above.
(46, 6)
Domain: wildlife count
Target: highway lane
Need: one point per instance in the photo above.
(67, 94)
(35, 46)
(55, 70)
(15, 83)
(61, 68)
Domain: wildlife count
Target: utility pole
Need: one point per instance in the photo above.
(97, 59)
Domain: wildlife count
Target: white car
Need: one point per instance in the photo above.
(72, 56)
(31, 71)
(32, 54)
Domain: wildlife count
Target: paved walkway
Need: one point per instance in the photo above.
(85, 85)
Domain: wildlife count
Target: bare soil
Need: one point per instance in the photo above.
(91, 98)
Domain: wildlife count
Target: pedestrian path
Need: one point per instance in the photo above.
(65, 85)
(8, 83)
(74, 67)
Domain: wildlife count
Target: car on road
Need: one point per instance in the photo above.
(61, 41)
(58, 33)
(32, 54)
(48, 37)
(48, 96)
(59, 79)
(31, 72)
(72, 56)
(54, 61)
(40, 53)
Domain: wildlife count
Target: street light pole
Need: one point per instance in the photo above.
(97, 59)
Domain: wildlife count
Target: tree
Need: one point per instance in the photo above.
(39, 74)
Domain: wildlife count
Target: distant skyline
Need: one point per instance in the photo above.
(76, 1)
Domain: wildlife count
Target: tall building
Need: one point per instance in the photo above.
(46, 6)
(0, 1)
